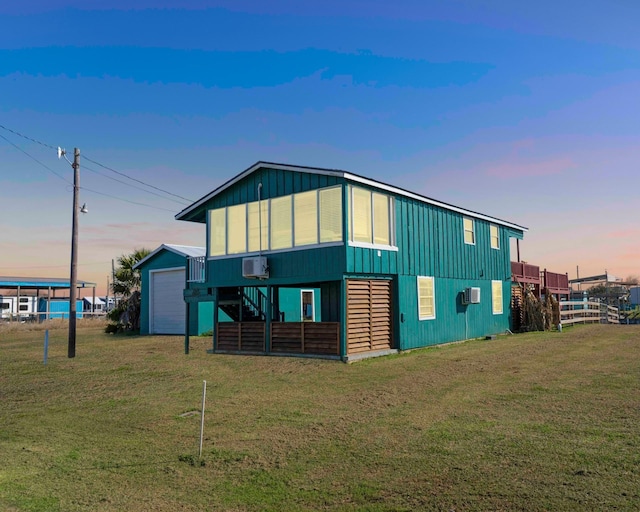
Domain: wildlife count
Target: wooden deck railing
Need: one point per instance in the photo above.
(525, 273)
(556, 283)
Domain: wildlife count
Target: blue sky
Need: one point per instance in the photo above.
(525, 112)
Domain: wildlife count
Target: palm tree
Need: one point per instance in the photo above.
(126, 283)
(126, 279)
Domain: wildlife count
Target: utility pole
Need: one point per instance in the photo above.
(74, 256)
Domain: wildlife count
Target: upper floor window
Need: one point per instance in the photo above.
(296, 220)
(371, 217)
(469, 231)
(495, 237)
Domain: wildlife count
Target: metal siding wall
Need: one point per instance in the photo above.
(286, 268)
(450, 323)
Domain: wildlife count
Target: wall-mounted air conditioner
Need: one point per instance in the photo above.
(471, 296)
(255, 267)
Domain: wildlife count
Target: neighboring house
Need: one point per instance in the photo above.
(634, 296)
(394, 270)
(163, 280)
(89, 305)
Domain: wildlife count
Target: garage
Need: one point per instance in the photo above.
(167, 302)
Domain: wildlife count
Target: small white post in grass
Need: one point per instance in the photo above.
(204, 397)
(46, 345)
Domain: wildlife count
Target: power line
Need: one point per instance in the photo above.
(95, 162)
(36, 160)
(137, 180)
(126, 200)
(86, 168)
(27, 137)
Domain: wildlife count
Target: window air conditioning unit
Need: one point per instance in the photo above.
(255, 267)
(471, 296)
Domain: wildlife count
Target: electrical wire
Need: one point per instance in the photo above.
(28, 138)
(137, 180)
(127, 200)
(87, 168)
(36, 160)
(188, 201)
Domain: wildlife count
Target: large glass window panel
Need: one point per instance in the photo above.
(426, 298)
(237, 229)
(361, 215)
(305, 218)
(381, 232)
(217, 232)
(330, 205)
(257, 225)
(280, 227)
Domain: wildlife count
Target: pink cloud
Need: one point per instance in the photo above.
(625, 233)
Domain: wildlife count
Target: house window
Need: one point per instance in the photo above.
(426, 298)
(5, 305)
(496, 297)
(469, 233)
(24, 307)
(217, 232)
(257, 226)
(371, 218)
(361, 215)
(330, 206)
(281, 223)
(306, 218)
(237, 229)
(305, 214)
(307, 312)
(495, 237)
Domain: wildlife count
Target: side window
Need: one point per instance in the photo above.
(495, 236)
(426, 298)
(496, 297)
(469, 231)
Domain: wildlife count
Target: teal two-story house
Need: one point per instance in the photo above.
(385, 269)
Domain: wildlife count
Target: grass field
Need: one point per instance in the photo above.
(540, 421)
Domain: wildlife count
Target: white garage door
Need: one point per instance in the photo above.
(167, 302)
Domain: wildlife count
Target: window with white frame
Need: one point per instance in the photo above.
(496, 297)
(426, 298)
(302, 219)
(371, 218)
(495, 236)
(469, 231)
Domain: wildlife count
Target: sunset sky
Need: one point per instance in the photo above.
(526, 112)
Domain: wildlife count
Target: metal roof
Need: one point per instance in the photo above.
(348, 176)
(41, 282)
(181, 250)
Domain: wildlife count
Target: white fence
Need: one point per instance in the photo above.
(573, 311)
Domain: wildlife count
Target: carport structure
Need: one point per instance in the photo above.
(25, 286)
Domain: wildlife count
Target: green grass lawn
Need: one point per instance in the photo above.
(539, 421)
